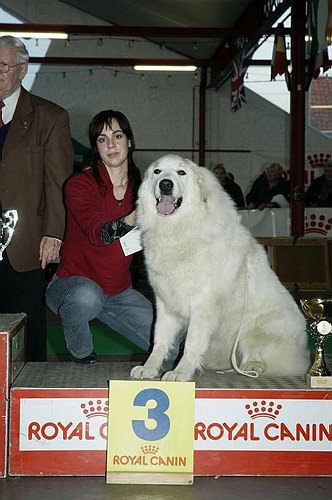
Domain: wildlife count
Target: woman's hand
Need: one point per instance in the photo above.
(268, 205)
(130, 219)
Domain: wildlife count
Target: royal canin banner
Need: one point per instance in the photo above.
(63, 424)
(263, 425)
(260, 432)
(234, 424)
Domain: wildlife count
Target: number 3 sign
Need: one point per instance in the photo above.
(150, 432)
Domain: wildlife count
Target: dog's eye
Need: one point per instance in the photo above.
(156, 171)
(182, 172)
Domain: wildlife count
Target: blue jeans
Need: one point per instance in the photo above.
(78, 300)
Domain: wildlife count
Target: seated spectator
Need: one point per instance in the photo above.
(269, 190)
(319, 193)
(227, 182)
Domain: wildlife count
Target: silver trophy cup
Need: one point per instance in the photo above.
(7, 227)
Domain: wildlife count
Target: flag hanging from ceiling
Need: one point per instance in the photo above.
(318, 11)
(237, 86)
(321, 61)
(279, 57)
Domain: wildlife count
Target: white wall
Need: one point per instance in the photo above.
(163, 111)
(259, 127)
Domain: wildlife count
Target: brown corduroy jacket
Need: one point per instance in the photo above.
(36, 160)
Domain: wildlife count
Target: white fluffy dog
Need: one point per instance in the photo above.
(212, 281)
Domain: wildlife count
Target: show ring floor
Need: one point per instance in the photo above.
(267, 426)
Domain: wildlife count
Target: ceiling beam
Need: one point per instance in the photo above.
(129, 31)
(129, 61)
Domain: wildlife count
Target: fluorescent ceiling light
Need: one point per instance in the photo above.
(321, 106)
(147, 67)
(27, 34)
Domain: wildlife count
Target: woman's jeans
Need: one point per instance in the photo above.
(78, 300)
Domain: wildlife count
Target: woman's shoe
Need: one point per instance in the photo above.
(91, 358)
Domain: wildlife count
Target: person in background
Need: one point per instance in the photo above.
(269, 190)
(36, 158)
(93, 278)
(319, 193)
(227, 182)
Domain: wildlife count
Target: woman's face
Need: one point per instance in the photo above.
(272, 174)
(220, 174)
(113, 145)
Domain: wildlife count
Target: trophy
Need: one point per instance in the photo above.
(319, 375)
(7, 226)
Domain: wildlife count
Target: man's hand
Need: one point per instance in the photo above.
(49, 250)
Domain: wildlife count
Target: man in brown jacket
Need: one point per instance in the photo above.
(36, 158)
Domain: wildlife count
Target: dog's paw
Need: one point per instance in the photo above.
(175, 376)
(254, 366)
(139, 372)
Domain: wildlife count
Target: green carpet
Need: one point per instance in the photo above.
(105, 341)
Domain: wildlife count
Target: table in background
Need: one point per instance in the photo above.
(276, 222)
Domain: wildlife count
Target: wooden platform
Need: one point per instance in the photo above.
(243, 426)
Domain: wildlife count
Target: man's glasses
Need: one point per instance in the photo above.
(4, 67)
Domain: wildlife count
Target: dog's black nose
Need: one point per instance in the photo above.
(166, 186)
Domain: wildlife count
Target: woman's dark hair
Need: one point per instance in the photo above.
(95, 128)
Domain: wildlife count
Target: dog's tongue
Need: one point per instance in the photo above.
(165, 205)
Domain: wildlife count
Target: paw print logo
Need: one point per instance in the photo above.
(263, 409)
(149, 449)
(318, 160)
(97, 408)
(318, 224)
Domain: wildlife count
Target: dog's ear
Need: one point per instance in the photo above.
(199, 173)
(203, 185)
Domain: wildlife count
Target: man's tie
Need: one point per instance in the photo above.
(2, 104)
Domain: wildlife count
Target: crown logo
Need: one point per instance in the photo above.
(318, 160)
(267, 409)
(96, 408)
(318, 224)
(149, 449)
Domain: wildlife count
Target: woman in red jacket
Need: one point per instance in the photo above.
(93, 278)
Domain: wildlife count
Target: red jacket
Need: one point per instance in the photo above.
(83, 251)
